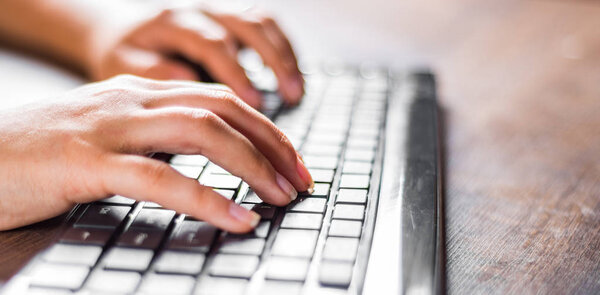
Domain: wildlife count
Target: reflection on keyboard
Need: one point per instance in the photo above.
(120, 246)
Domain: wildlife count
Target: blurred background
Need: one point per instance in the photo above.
(519, 89)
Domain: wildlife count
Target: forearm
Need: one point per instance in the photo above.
(68, 30)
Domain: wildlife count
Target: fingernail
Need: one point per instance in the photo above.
(286, 186)
(305, 175)
(295, 88)
(246, 216)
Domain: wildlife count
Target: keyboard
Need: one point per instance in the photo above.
(319, 243)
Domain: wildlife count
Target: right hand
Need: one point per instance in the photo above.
(92, 143)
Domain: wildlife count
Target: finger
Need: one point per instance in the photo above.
(149, 64)
(226, 69)
(263, 134)
(216, 54)
(147, 179)
(286, 45)
(194, 131)
(261, 34)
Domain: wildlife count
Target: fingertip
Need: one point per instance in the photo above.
(247, 219)
(304, 175)
(294, 89)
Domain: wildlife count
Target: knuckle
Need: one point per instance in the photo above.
(128, 81)
(223, 87)
(267, 21)
(165, 14)
(155, 172)
(231, 100)
(205, 117)
(125, 78)
(217, 42)
(288, 148)
(256, 24)
(202, 118)
(204, 198)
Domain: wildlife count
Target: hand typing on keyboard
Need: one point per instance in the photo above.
(106, 38)
(92, 143)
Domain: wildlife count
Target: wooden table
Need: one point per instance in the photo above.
(520, 89)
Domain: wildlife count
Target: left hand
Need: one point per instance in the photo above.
(203, 35)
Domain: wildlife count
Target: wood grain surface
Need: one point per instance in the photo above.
(520, 90)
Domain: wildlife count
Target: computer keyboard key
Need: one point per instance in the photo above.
(220, 286)
(221, 181)
(118, 200)
(354, 181)
(140, 238)
(335, 273)
(322, 175)
(73, 254)
(321, 150)
(360, 155)
(153, 219)
(346, 211)
(320, 162)
(189, 160)
(193, 235)
(308, 205)
(236, 266)
(252, 197)
(343, 249)
(128, 259)
(226, 193)
(52, 275)
(355, 167)
(270, 287)
(113, 281)
(362, 143)
(261, 230)
(242, 245)
(345, 228)
(152, 205)
(287, 269)
(295, 243)
(213, 168)
(296, 141)
(365, 132)
(91, 236)
(293, 130)
(320, 190)
(179, 262)
(188, 171)
(302, 221)
(48, 291)
(265, 210)
(106, 216)
(167, 284)
(327, 138)
(353, 196)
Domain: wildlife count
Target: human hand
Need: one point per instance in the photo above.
(206, 36)
(91, 144)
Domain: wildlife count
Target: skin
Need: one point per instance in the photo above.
(91, 143)
(110, 37)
